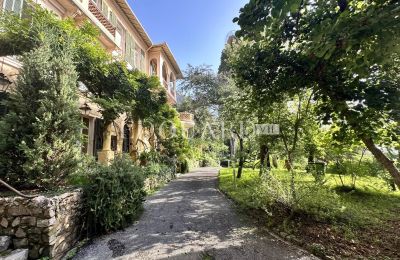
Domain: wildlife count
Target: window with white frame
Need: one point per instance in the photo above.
(130, 50)
(109, 14)
(137, 57)
(13, 5)
(142, 60)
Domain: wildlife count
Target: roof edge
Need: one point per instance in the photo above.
(165, 47)
(126, 8)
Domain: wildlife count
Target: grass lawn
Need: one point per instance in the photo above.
(326, 219)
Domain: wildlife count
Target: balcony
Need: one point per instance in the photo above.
(101, 17)
(187, 119)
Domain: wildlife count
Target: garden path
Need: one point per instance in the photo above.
(190, 219)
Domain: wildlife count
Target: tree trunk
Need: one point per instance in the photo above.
(268, 160)
(133, 140)
(241, 158)
(263, 153)
(311, 158)
(383, 159)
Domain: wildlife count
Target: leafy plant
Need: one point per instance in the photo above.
(157, 174)
(40, 135)
(114, 196)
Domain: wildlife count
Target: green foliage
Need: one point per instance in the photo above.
(317, 170)
(362, 207)
(40, 135)
(346, 52)
(114, 195)
(174, 142)
(184, 166)
(158, 174)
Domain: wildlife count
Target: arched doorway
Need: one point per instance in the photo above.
(172, 84)
(125, 144)
(165, 75)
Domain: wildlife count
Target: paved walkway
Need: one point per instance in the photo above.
(190, 219)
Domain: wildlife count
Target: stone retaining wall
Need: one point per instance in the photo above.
(48, 226)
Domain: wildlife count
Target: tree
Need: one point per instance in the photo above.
(346, 51)
(40, 135)
(115, 89)
(150, 106)
(203, 91)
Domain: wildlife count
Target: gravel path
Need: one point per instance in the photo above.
(190, 219)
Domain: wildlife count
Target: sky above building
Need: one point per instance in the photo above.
(195, 30)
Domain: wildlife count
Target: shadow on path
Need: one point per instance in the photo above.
(190, 219)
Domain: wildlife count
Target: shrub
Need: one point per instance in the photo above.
(317, 169)
(207, 160)
(114, 196)
(156, 175)
(184, 166)
(39, 137)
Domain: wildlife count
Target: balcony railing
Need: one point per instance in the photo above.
(187, 117)
(101, 17)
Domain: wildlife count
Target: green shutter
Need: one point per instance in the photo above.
(105, 9)
(129, 50)
(18, 6)
(113, 19)
(134, 54)
(8, 5)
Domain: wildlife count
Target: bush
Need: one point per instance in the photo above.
(156, 175)
(317, 169)
(114, 196)
(207, 160)
(184, 166)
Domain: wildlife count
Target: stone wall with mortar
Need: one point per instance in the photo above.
(48, 226)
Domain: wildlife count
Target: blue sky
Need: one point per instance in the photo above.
(194, 29)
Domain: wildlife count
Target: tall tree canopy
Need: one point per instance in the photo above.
(347, 51)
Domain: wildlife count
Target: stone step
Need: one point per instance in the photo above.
(5, 243)
(18, 254)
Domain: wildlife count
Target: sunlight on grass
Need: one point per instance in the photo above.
(371, 203)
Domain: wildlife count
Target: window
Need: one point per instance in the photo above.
(109, 14)
(85, 135)
(171, 83)
(130, 50)
(120, 35)
(113, 18)
(97, 2)
(137, 58)
(142, 60)
(13, 5)
(104, 9)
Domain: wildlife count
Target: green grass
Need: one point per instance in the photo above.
(371, 203)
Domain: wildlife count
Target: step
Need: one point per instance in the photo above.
(18, 254)
(5, 243)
